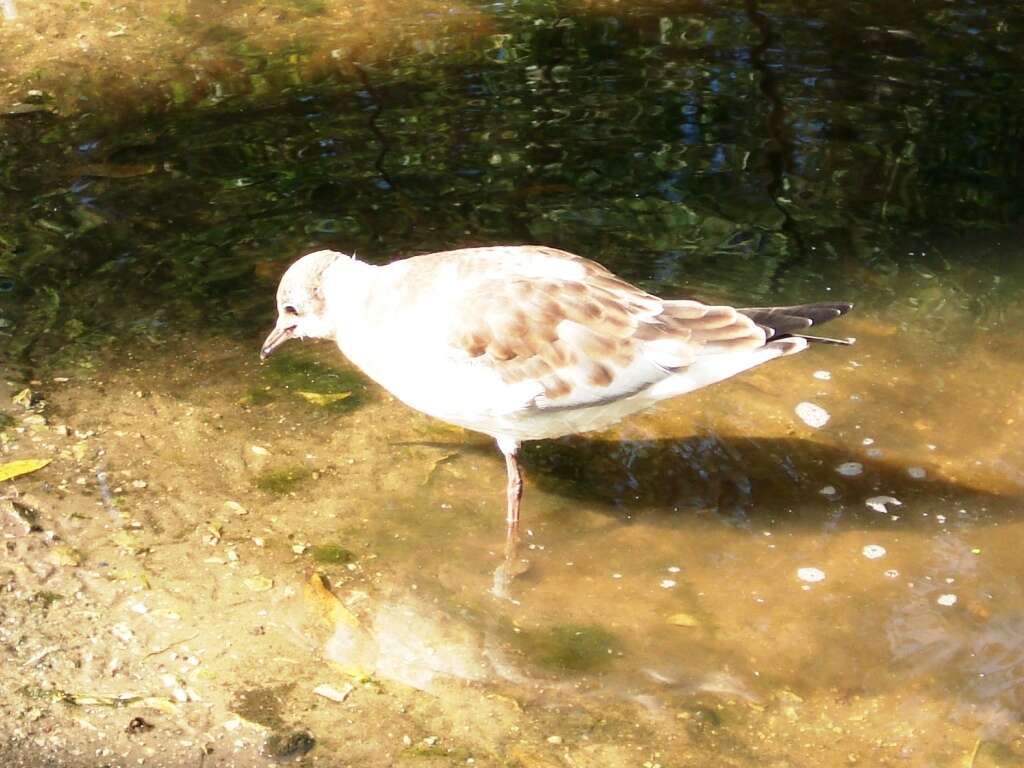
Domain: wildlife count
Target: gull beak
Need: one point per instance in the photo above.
(277, 337)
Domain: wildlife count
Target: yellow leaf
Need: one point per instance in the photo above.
(23, 398)
(13, 469)
(316, 398)
(64, 555)
(326, 604)
(165, 705)
(683, 620)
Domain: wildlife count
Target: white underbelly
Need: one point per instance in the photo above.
(478, 399)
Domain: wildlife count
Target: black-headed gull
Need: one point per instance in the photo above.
(526, 342)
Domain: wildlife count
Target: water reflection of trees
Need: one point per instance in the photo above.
(743, 151)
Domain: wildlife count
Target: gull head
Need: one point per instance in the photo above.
(301, 307)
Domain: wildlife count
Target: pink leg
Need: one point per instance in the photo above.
(514, 491)
(514, 494)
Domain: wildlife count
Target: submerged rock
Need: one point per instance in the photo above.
(290, 745)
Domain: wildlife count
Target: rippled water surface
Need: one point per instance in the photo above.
(715, 582)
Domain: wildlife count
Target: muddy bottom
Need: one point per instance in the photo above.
(287, 565)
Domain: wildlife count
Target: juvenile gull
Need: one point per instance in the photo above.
(526, 342)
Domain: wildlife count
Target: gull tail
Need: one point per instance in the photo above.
(789, 322)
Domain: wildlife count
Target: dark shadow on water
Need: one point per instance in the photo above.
(750, 480)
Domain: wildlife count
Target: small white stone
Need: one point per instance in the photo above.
(868, 441)
(554, 739)
(812, 415)
(810, 574)
(122, 632)
(139, 608)
(880, 503)
(235, 507)
(917, 473)
(332, 693)
(873, 551)
(667, 583)
(892, 573)
(822, 375)
(673, 569)
(947, 599)
(616, 575)
(828, 490)
(850, 468)
(259, 450)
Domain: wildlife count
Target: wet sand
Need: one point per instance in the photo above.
(667, 613)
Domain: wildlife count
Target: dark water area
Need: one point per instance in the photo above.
(750, 152)
(761, 589)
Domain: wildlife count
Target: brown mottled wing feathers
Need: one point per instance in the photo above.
(591, 340)
(518, 327)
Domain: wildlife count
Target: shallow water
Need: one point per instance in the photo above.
(713, 582)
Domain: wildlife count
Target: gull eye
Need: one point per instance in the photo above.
(290, 310)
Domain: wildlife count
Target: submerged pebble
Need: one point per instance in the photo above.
(810, 575)
(332, 693)
(873, 551)
(947, 599)
(881, 503)
(286, 746)
(812, 415)
(917, 473)
(822, 375)
(850, 468)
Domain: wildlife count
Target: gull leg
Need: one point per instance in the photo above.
(505, 572)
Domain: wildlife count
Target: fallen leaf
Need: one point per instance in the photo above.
(317, 398)
(14, 469)
(326, 604)
(64, 555)
(682, 620)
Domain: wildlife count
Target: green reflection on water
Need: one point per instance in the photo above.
(723, 152)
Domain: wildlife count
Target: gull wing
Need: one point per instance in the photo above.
(588, 341)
